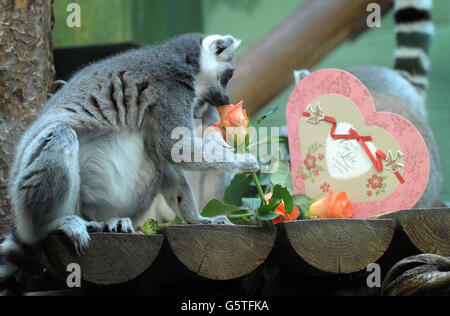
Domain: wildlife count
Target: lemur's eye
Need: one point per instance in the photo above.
(226, 77)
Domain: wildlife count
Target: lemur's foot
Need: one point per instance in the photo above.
(216, 220)
(76, 229)
(119, 225)
(94, 227)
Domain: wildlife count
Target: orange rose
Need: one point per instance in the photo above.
(235, 120)
(332, 206)
(281, 210)
(233, 115)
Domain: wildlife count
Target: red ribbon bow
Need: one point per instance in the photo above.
(377, 161)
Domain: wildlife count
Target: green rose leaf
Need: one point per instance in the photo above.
(303, 202)
(237, 189)
(267, 216)
(265, 212)
(251, 203)
(282, 193)
(215, 208)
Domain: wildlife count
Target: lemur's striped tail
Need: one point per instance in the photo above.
(16, 267)
(414, 32)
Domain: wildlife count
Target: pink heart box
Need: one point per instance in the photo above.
(415, 153)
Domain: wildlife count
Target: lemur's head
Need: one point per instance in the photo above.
(215, 69)
(210, 57)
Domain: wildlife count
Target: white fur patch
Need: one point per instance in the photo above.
(111, 168)
(409, 52)
(426, 27)
(9, 245)
(299, 75)
(211, 64)
(415, 79)
(24, 225)
(208, 45)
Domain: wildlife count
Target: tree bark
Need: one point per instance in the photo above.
(26, 78)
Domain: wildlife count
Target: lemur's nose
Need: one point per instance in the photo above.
(225, 100)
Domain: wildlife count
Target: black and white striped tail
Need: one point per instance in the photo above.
(14, 267)
(414, 33)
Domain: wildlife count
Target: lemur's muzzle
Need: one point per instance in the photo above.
(217, 97)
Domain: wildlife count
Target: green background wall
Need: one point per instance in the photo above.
(148, 21)
(140, 22)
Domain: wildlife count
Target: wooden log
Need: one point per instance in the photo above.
(424, 274)
(300, 42)
(334, 246)
(111, 258)
(427, 229)
(220, 252)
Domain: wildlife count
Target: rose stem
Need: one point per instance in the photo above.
(258, 187)
(240, 216)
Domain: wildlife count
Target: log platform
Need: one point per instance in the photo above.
(427, 229)
(111, 258)
(219, 252)
(202, 258)
(334, 246)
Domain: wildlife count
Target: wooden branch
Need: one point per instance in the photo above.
(220, 252)
(300, 42)
(427, 229)
(334, 245)
(110, 259)
(425, 274)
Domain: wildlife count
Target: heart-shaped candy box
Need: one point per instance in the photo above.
(338, 141)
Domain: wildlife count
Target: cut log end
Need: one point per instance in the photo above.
(427, 229)
(337, 245)
(110, 259)
(220, 252)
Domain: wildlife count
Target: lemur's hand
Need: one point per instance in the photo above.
(218, 220)
(246, 163)
(237, 162)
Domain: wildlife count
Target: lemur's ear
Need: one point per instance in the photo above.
(226, 45)
(223, 46)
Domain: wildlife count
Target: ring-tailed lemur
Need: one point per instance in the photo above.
(402, 90)
(101, 150)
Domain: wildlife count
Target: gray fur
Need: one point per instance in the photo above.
(390, 82)
(100, 152)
